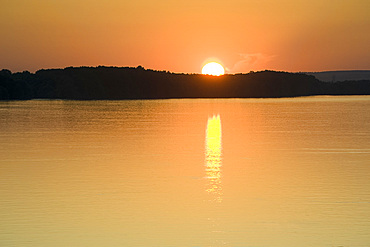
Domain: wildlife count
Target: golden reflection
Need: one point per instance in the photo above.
(213, 156)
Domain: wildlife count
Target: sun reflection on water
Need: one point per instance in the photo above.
(213, 156)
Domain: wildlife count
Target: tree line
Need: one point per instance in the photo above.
(119, 83)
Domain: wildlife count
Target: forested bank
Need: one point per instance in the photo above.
(114, 83)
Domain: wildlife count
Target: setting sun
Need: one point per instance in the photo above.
(213, 68)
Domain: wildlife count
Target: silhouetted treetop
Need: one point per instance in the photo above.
(116, 83)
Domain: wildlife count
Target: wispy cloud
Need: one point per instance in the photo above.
(251, 61)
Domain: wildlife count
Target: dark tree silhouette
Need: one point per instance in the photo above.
(117, 83)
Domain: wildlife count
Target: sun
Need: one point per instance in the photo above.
(213, 68)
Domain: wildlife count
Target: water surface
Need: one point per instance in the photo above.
(192, 172)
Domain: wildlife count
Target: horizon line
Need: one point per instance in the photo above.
(187, 73)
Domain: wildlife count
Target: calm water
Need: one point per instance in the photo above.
(235, 172)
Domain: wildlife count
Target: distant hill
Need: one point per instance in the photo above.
(113, 83)
(346, 75)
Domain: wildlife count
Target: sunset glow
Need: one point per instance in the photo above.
(213, 68)
(177, 36)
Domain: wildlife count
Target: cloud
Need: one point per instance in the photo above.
(251, 61)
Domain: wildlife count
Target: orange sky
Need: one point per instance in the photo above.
(179, 36)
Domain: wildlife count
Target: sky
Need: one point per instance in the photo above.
(181, 36)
